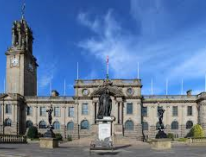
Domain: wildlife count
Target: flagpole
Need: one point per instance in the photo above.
(166, 86)
(4, 86)
(64, 87)
(182, 87)
(107, 61)
(138, 70)
(77, 70)
(152, 87)
(205, 82)
(50, 88)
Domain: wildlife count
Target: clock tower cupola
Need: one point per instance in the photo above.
(21, 65)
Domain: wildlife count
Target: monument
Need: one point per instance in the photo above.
(48, 140)
(104, 121)
(161, 141)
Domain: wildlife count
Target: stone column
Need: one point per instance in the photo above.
(13, 37)
(183, 123)
(93, 113)
(202, 114)
(121, 112)
(118, 110)
(36, 115)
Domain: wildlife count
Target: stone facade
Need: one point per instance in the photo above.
(135, 114)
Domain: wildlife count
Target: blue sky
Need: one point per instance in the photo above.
(166, 37)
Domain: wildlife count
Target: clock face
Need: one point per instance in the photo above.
(85, 92)
(14, 61)
(130, 91)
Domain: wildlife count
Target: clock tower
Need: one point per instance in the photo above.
(21, 65)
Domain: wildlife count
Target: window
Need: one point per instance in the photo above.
(189, 110)
(145, 126)
(56, 111)
(175, 111)
(174, 125)
(7, 122)
(8, 108)
(85, 124)
(71, 112)
(42, 124)
(129, 108)
(56, 125)
(189, 124)
(159, 108)
(70, 126)
(129, 125)
(42, 111)
(85, 109)
(29, 110)
(29, 123)
(144, 111)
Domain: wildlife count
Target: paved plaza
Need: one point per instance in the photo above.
(28, 150)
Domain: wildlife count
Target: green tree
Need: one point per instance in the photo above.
(33, 132)
(196, 131)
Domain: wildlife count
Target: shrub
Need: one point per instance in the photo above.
(40, 134)
(182, 140)
(33, 132)
(69, 138)
(196, 131)
(58, 136)
(171, 136)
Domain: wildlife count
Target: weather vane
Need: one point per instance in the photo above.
(23, 10)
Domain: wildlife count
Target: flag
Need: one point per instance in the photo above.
(107, 59)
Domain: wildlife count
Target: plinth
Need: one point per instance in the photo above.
(47, 142)
(160, 144)
(104, 139)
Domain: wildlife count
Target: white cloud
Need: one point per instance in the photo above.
(48, 71)
(162, 52)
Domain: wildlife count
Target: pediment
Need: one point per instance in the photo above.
(11, 96)
(113, 91)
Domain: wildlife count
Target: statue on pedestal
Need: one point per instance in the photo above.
(161, 133)
(50, 127)
(105, 105)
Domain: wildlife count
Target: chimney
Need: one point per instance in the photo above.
(54, 93)
(189, 92)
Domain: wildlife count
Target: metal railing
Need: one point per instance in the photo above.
(12, 139)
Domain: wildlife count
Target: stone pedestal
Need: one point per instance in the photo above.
(160, 144)
(104, 140)
(46, 142)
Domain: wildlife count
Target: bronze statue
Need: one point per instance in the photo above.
(105, 105)
(50, 114)
(161, 112)
(50, 127)
(161, 133)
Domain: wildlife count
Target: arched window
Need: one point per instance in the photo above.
(157, 126)
(145, 126)
(70, 126)
(7, 122)
(42, 124)
(174, 125)
(189, 124)
(129, 125)
(29, 123)
(85, 124)
(56, 125)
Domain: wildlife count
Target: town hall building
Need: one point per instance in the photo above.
(135, 115)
